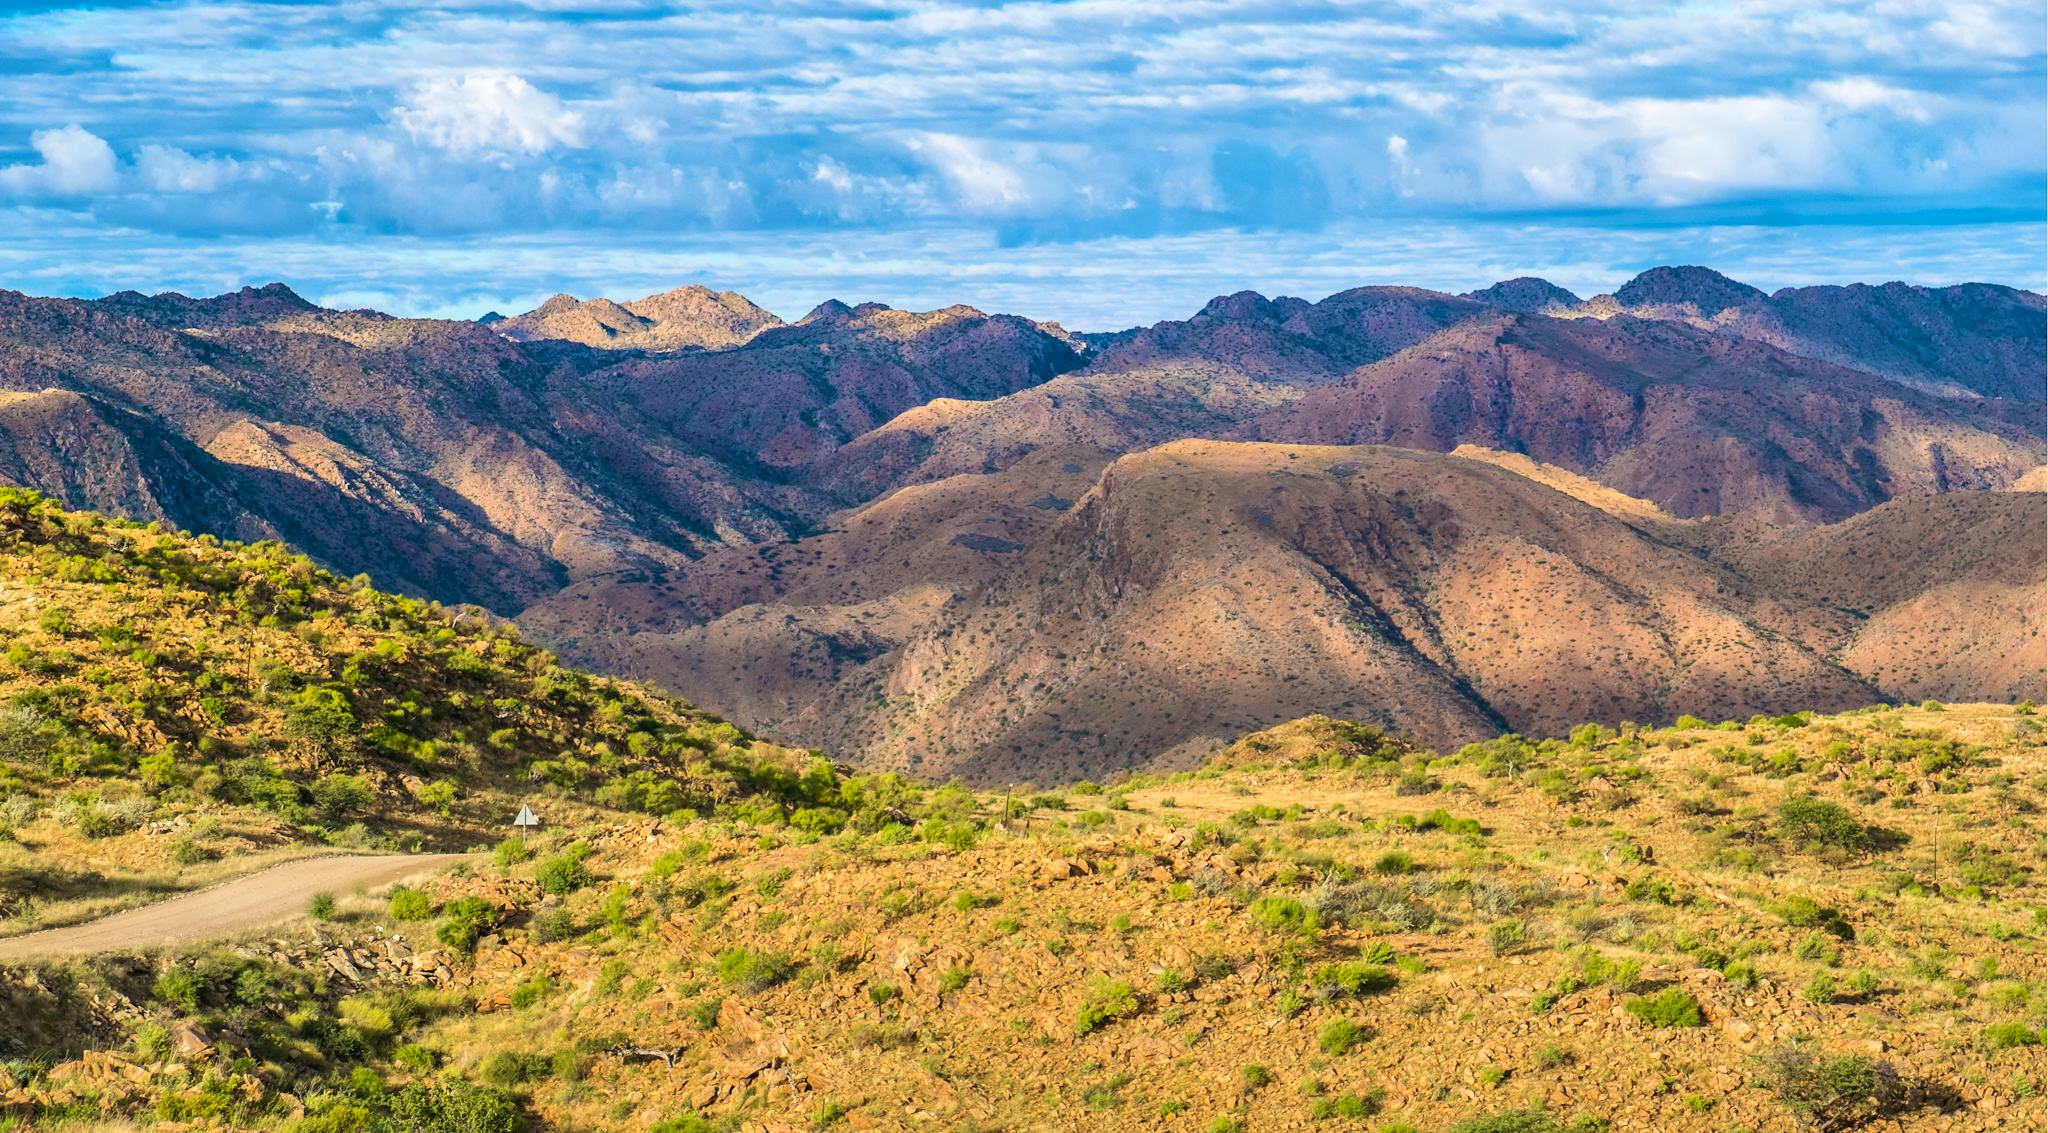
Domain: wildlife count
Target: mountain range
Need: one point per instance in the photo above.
(962, 543)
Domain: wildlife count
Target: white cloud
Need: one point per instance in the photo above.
(75, 162)
(489, 114)
(1568, 149)
(168, 169)
(1859, 92)
(981, 181)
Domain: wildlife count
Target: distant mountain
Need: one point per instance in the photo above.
(1240, 356)
(978, 543)
(1971, 339)
(794, 394)
(1527, 295)
(1697, 422)
(449, 460)
(693, 316)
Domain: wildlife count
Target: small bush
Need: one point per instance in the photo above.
(321, 906)
(1353, 978)
(551, 925)
(1808, 821)
(1284, 916)
(1668, 1008)
(1504, 937)
(1526, 1121)
(411, 905)
(564, 873)
(511, 852)
(465, 923)
(749, 970)
(1832, 1091)
(1393, 863)
(1338, 1036)
(1106, 1000)
(2005, 1036)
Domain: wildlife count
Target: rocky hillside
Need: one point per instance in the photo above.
(173, 708)
(449, 461)
(1699, 423)
(1782, 923)
(1051, 621)
(693, 316)
(798, 522)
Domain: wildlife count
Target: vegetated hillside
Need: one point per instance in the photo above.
(1699, 423)
(1794, 922)
(1203, 589)
(173, 707)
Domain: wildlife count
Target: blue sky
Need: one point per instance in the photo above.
(1102, 162)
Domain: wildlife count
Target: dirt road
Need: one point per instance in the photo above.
(275, 894)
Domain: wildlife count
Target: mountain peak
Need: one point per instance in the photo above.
(555, 305)
(830, 311)
(1240, 305)
(1704, 288)
(1526, 294)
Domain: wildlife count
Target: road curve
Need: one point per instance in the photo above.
(262, 898)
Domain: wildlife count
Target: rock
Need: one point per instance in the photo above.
(339, 961)
(191, 1043)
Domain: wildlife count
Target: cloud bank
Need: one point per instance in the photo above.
(628, 124)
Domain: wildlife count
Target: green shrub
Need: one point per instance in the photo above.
(1353, 977)
(1338, 1036)
(179, 988)
(321, 906)
(749, 970)
(550, 925)
(1832, 1091)
(1352, 1106)
(564, 873)
(1520, 1121)
(1504, 937)
(453, 1106)
(1106, 1000)
(1668, 1008)
(1394, 862)
(511, 852)
(2004, 1036)
(465, 922)
(1808, 821)
(1284, 916)
(411, 905)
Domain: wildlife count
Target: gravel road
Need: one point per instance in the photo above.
(272, 895)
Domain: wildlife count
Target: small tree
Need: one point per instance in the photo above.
(1830, 1092)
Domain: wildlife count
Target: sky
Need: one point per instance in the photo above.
(1098, 162)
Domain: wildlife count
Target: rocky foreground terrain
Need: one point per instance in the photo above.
(1771, 923)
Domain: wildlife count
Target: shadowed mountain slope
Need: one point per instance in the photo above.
(1699, 423)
